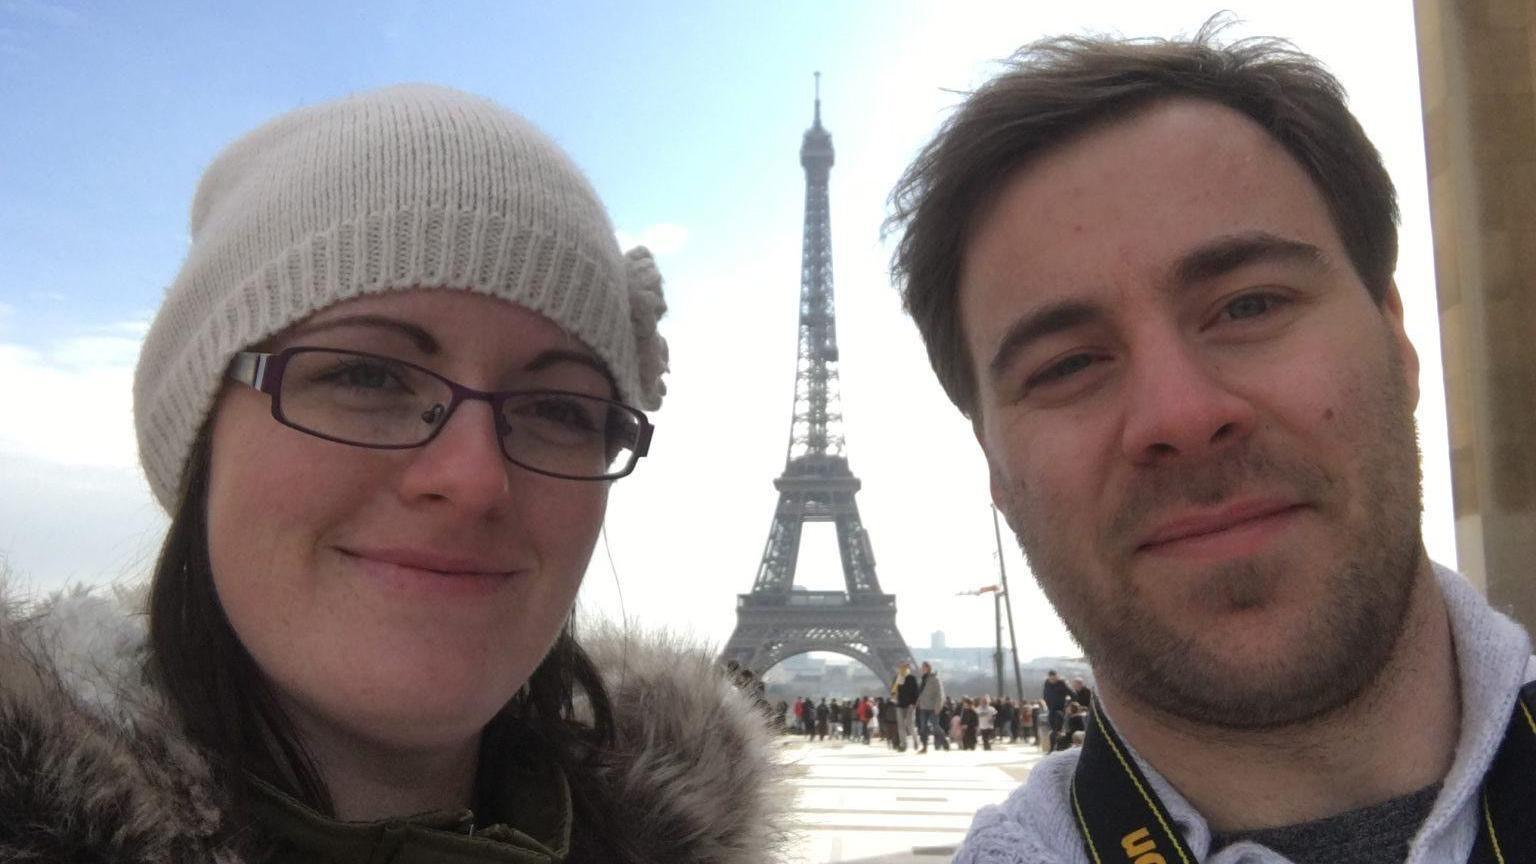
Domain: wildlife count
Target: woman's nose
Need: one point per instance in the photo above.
(463, 464)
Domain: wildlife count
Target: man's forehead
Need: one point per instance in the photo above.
(1120, 204)
(1194, 159)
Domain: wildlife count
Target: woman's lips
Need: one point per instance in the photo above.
(419, 570)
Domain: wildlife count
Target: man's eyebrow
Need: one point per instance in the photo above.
(424, 341)
(1038, 324)
(1225, 254)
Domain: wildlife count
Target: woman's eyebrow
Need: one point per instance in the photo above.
(423, 340)
(555, 356)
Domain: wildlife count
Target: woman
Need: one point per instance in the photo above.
(383, 403)
(986, 721)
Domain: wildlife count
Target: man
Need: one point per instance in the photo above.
(1157, 277)
(1081, 694)
(885, 710)
(930, 695)
(1005, 715)
(1056, 694)
(905, 691)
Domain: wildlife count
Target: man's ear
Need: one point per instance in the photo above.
(994, 477)
(1392, 310)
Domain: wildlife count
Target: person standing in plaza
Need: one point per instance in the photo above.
(943, 720)
(1056, 694)
(986, 721)
(930, 695)
(1081, 693)
(1158, 277)
(970, 723)
(905, 689)
(885, 711)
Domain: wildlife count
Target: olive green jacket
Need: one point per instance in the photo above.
(532, 824)
(93, 769)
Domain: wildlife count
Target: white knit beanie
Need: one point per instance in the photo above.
(411, 186)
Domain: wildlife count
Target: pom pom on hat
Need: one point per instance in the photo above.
(646, 306)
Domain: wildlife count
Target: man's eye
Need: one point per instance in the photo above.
(1064, 368)
(1251, 306)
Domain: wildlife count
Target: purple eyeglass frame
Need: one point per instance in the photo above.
(264, 372)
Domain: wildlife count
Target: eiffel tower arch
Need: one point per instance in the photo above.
(776, 621)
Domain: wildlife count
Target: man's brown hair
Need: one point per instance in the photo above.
(1054, 90)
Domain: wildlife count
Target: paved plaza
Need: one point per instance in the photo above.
(869, 804)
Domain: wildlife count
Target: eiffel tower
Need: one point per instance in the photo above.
(776, 620)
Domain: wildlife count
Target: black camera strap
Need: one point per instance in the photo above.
(1122, 821)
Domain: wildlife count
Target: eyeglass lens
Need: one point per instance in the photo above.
(372, 401)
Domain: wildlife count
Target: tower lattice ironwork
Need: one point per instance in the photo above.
(777, 620)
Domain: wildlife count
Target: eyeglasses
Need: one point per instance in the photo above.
(368, 400)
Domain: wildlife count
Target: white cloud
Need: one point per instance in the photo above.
(64, 524)
(663, 238)
(135, 327)
(70, 403)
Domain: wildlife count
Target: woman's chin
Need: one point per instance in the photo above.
(405, 721)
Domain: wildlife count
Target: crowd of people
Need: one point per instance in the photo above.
(917, 713)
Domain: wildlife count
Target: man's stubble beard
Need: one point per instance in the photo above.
(1352, 631)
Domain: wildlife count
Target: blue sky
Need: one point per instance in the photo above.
(687, 117)
(116, 108)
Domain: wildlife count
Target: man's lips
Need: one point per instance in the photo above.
(1240, 516)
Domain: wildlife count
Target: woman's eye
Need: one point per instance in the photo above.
(365, 376)
(565, 411)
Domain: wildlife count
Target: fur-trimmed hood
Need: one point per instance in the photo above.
(92, 767)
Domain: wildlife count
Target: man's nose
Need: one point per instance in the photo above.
(1177, 403)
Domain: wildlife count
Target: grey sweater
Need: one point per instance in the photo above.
(930, 692)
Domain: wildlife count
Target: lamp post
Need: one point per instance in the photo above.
(997, 593)
(1013, 638)
(1000, 596)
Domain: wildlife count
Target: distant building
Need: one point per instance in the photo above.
(936, 640)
